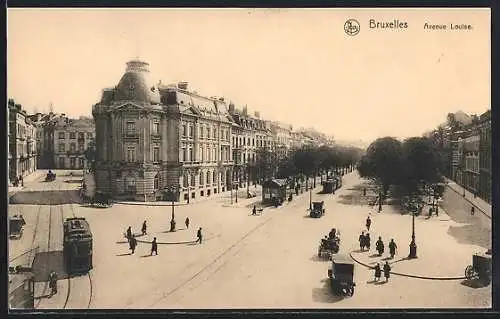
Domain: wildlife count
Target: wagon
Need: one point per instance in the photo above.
(317, 210)
(480, 268)
(341, 275)
(16, 224)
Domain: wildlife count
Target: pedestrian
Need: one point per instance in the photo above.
(53, 282)
(378, 272)
(254, 210)
(362, 241)
(199, 235)
(364, 191)
(144, 228)
(132, 244)
(472, 210)
(21, 180)
(154, 247)
(367, 241)
(129, 233)
(392, 248)
(187, 222)
(380, 246)
(387, 271)
(368, 223)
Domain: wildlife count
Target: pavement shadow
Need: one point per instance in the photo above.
(124, 254)
(471, 234)
(357, 199)
(315, 257)
(324, 294)
(374, 255)
(58, 197)
(45, 262)
(474, 283)
(147, 255)
(74, 181)
(399, 260)
(373, 281)
(381, 282)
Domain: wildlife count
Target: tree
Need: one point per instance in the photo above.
(266, 163)
(382, 163)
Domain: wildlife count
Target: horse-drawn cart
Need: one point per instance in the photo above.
(480, 268)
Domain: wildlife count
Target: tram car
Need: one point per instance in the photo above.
(331, 184)
(77, 245)
(21, 288)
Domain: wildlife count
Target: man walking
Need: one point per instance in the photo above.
(144, 227)
(392, 248)
(387, 271)
(187, 222)
(378, 272)
(368, 223)
(254, 210)
(154, 247)
(362, 241)
(129, 233)
(364, 191)
(200, 236)
(132, 244)
(379, 245)
(53, 283)
(472, 211)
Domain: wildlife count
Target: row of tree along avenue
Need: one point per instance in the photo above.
(409, 171)
(304, 163)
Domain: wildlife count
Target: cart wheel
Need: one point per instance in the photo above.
(469, 272)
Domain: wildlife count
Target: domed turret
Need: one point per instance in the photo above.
(135, 84)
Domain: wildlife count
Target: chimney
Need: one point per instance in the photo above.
(182, 85)
(231, 108)
(257, 114)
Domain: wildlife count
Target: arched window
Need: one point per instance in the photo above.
(156, 182)
(208, 177)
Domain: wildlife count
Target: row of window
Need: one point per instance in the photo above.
(72, 147)
(72, 135)
(472, 163)
(73, 162)
(204, 131)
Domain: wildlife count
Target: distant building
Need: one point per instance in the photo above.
(22, 148)
(484, 128)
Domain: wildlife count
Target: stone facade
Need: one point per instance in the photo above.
(157, 142)
(22, 148)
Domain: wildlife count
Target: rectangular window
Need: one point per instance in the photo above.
(156, 154)
(201, 131)
(184, 130)
(81, 147)
(191, 131)
(72, 162)
(130, 154)
(82, 162)
(62, 163)
(72, 135)
(72, 147)
(130, 128)
(62, 148)
(208, 132)
(81, 136)
(191, 158)
(156, 129)
(62, 136)
(89, 134)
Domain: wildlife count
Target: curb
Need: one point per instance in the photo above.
(409, 275)
(469, 201)
(172, 243)
(143, 204)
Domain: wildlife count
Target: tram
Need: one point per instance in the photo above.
(77, 245)
(21, 288)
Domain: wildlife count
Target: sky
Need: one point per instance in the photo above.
(297, 66)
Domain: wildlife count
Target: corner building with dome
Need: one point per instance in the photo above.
(160, 142)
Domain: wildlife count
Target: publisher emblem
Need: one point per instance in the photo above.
(351, 27)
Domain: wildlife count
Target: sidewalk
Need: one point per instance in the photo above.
(33, 177)
(477, 202)
(440, 255)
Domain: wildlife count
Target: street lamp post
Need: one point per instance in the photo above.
(413, 245)
(310, 199)
(172, 221)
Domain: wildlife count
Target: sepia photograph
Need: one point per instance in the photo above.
(238, 158)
